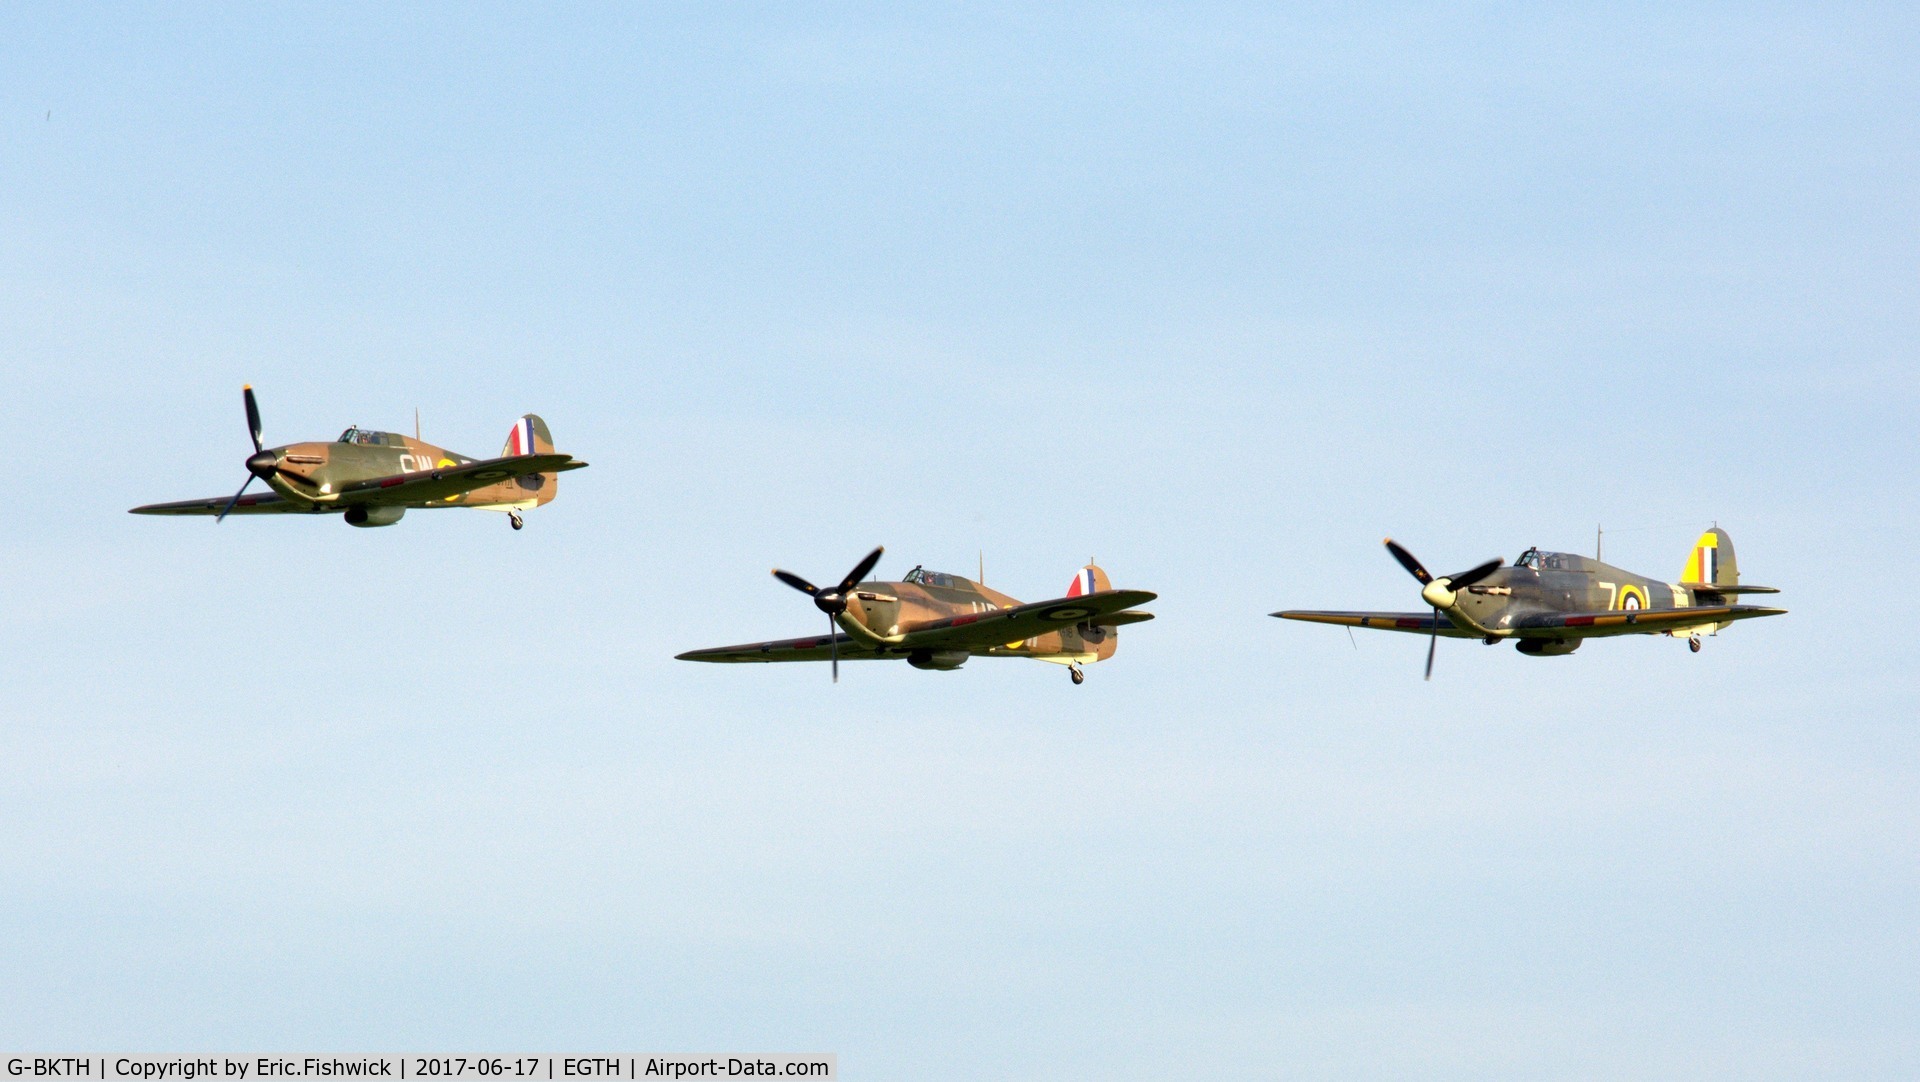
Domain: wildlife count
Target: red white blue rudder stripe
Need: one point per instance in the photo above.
(520, 440)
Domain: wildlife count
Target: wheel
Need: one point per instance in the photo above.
(1078, 676)
(514, 519)
(1693, 643)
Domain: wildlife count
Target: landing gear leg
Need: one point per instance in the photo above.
(1078, 676)
(514, 519)
(1693, 643)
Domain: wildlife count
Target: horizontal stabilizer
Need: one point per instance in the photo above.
(1729, 591)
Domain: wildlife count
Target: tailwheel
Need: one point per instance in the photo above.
(514, 519)
(1078, 676)
(1693, 643)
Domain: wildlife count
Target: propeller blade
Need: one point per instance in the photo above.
(832, 602)
(796, 582)
(222, 516)
(1467, 578)
(860, 570)
(253, 417)
(1408, 561)
(1433, 639)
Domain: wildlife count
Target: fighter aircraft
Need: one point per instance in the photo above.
(1550, 602)
(937, 621)
(375, 477)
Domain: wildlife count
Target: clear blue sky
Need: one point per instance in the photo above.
(1220, 295)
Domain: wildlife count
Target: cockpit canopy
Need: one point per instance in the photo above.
(922, 577)
(1553, 561)
(369, 438)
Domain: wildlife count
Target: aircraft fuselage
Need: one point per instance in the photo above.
(888, 609)
(1562, 582)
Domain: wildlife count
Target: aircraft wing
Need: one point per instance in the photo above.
(981, 630)
(413, 489)
(1419, 623)
(971, 630)
(254, 503)
(817, 648)
(1585, 625)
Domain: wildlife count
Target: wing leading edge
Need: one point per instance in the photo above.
(1418, 623)
(816, 648)
(259, 503)
(1556, 625)
(422, 489)
(426, 489)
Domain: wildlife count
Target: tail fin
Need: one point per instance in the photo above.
(529, 437)
(1089, 580)
(1712, 560)
(1100, 640)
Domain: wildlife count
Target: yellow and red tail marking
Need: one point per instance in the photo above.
(1704, 562)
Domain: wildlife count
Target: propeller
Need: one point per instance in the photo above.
(833, 602)
(261, 464)
(1441, 593)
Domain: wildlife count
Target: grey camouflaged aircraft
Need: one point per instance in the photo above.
(373, 478)
(933, 620)
(1550, 602)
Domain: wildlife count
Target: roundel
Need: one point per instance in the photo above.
(1631, 599)
(490, 475)
(1067, 613)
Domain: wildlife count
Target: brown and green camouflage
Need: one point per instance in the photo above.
(936, 620)
(373, 478)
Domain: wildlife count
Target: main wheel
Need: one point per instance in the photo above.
(1693, 643)
(1078, 676)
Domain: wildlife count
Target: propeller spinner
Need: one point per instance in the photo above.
(1442, 593)
(833, 602)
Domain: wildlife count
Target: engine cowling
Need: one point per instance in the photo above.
(943, 660)
(362, 515)
(1547, 647)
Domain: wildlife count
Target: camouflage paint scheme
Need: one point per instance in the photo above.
(934, 620)
(1548, 602)
(375, 477)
